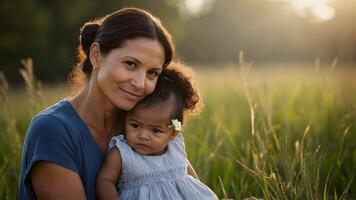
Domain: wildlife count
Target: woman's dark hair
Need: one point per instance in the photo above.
(113, 30)
(175, 80)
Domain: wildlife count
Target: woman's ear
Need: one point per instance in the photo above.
(95, 55)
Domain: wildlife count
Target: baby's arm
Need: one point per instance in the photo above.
(109, 175)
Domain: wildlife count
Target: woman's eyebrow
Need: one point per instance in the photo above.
(139, 62)
(157, 69)
(133, 58)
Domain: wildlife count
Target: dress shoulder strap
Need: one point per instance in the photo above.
(178, 144)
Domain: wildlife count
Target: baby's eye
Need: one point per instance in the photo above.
(133, 125)
(156, 130)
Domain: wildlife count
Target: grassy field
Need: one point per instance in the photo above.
(272, 133)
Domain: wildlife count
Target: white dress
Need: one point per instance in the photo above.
(160, 177)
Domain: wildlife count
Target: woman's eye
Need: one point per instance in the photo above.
(156, 130)
(134, 125)
(130, 64)
(153, 73)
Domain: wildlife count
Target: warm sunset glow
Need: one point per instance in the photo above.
(318, 9)
(194, 7)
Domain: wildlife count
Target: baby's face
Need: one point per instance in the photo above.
(147, 130)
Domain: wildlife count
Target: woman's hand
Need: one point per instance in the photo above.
(51, 181)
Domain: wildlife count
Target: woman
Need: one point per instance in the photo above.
(122, 56)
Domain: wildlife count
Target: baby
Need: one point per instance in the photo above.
(149, 161)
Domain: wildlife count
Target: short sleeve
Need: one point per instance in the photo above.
(120, 143)
(48, 139)
(114, 140)
(125, 151)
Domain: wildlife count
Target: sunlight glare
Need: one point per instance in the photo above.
(323, 12)
(194, 6)
(191, 8)
(318, 9)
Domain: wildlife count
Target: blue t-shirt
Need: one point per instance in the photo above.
(58, 135)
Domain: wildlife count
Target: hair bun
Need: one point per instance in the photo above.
(88, 34)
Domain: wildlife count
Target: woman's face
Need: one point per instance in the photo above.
(127, 74)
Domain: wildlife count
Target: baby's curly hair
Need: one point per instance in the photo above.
(176, 80)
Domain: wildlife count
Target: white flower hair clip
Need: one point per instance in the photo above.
(176, 125)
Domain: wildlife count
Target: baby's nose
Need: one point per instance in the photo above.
(144, 135)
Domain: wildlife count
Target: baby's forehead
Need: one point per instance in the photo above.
(156, 107)
(154, 102)
(159, 113)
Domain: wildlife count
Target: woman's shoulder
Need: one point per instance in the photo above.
(52, 135)
(45, 129)
(60, 110)
(53, 121)
(59, 114)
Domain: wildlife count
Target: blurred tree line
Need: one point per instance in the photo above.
(48, 31)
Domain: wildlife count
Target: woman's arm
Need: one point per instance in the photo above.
(108, 176)
(191, 171)
(51, 181)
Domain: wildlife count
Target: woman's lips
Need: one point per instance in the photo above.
(131, 94)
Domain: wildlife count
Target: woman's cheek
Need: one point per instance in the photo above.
(150, 86)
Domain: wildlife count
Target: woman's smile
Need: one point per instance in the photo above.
(131, 95)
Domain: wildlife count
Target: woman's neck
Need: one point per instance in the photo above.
(99, 114)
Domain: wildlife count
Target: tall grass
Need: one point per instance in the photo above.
(272, 134)
(17, 109)
(10, 145)
(287, 134)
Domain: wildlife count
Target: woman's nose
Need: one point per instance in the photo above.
(138, 80)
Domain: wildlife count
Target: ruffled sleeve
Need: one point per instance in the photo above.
(125, 150)
(119, 142)
(126, 153)
(116, 140)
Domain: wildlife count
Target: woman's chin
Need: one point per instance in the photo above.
(126, 106)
